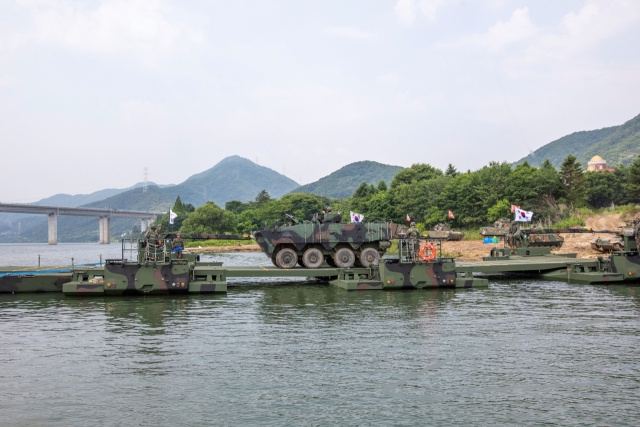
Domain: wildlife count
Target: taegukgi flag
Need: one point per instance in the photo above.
(356, 217)
(172, 215)
(523, 216)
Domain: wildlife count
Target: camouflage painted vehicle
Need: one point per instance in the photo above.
(20, 279)
(442, 231)
(326, 239)
(518, 237)
(499, 229)
(617, 242)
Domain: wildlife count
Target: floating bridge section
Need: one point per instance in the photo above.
(104, 216)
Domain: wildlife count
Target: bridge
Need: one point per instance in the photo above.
(104, 216)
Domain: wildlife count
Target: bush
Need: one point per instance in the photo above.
(569, 222)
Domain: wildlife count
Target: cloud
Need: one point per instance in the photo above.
(142, 27)
(518, 28)
(353, 33)
(406, 9)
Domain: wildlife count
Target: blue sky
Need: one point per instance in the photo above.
(91, 92)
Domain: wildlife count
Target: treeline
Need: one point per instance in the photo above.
(476, 198)
(427, 194)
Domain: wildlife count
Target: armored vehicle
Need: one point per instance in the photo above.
(517, 237)
(326, 239)
(617, 242)
(499, 228)
(442, 231)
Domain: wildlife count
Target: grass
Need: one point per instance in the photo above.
(569, 222)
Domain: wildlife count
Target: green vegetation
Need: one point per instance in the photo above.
(616, 144)
(483, 196)
(342, 183)
(569, 222)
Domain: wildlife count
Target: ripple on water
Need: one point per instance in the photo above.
(301, 352)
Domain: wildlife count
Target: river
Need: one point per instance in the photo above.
(304, 353)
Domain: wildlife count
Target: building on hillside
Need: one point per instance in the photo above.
(598, 164)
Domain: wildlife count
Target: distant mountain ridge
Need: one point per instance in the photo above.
(343, 182)
(233, 178)
(615, 144)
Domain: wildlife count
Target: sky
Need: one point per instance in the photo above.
(92, 92)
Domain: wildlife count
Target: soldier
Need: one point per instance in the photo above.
(159, 232)
(178, 243)
(151, 233)
(413, 232)
(413, 245)
(151, 243)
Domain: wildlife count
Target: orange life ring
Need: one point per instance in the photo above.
(426, 258)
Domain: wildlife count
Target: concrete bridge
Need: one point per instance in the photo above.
(104, 216)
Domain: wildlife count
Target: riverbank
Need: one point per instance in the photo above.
(474, 250)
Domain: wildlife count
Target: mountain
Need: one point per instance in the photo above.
(616, 144)
(343, 182)
(233, 178)
(76, 200)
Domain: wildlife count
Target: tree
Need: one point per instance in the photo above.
(382, 185)
(451, 171)
(362, 191)
(417, 172)
(502, 209)
(235, 206)
(209, 219)
(573, 181)
(262, 198)
(178, 207)
(188, 208)
(633, 179)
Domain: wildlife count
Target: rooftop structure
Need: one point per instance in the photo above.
(598, 164)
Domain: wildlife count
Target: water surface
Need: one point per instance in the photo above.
(301, 352)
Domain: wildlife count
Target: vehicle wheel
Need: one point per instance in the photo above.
(368, 257)
(330, 262)
(312, 258)
(344, 258)
(286, 258)
(273, 260)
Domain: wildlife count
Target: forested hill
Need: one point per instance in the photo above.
(616, 144)
(343, 182)
(233, 178)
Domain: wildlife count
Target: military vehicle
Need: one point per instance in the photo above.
(442, 231)
(499, 229)
(518, 237)
(617, 242)
(326, 239)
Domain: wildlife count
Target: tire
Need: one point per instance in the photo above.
(286, 258)
(368, 257)
(312, 258)
(273, 260)
(344, 258)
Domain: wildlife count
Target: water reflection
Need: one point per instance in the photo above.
(302, 352)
